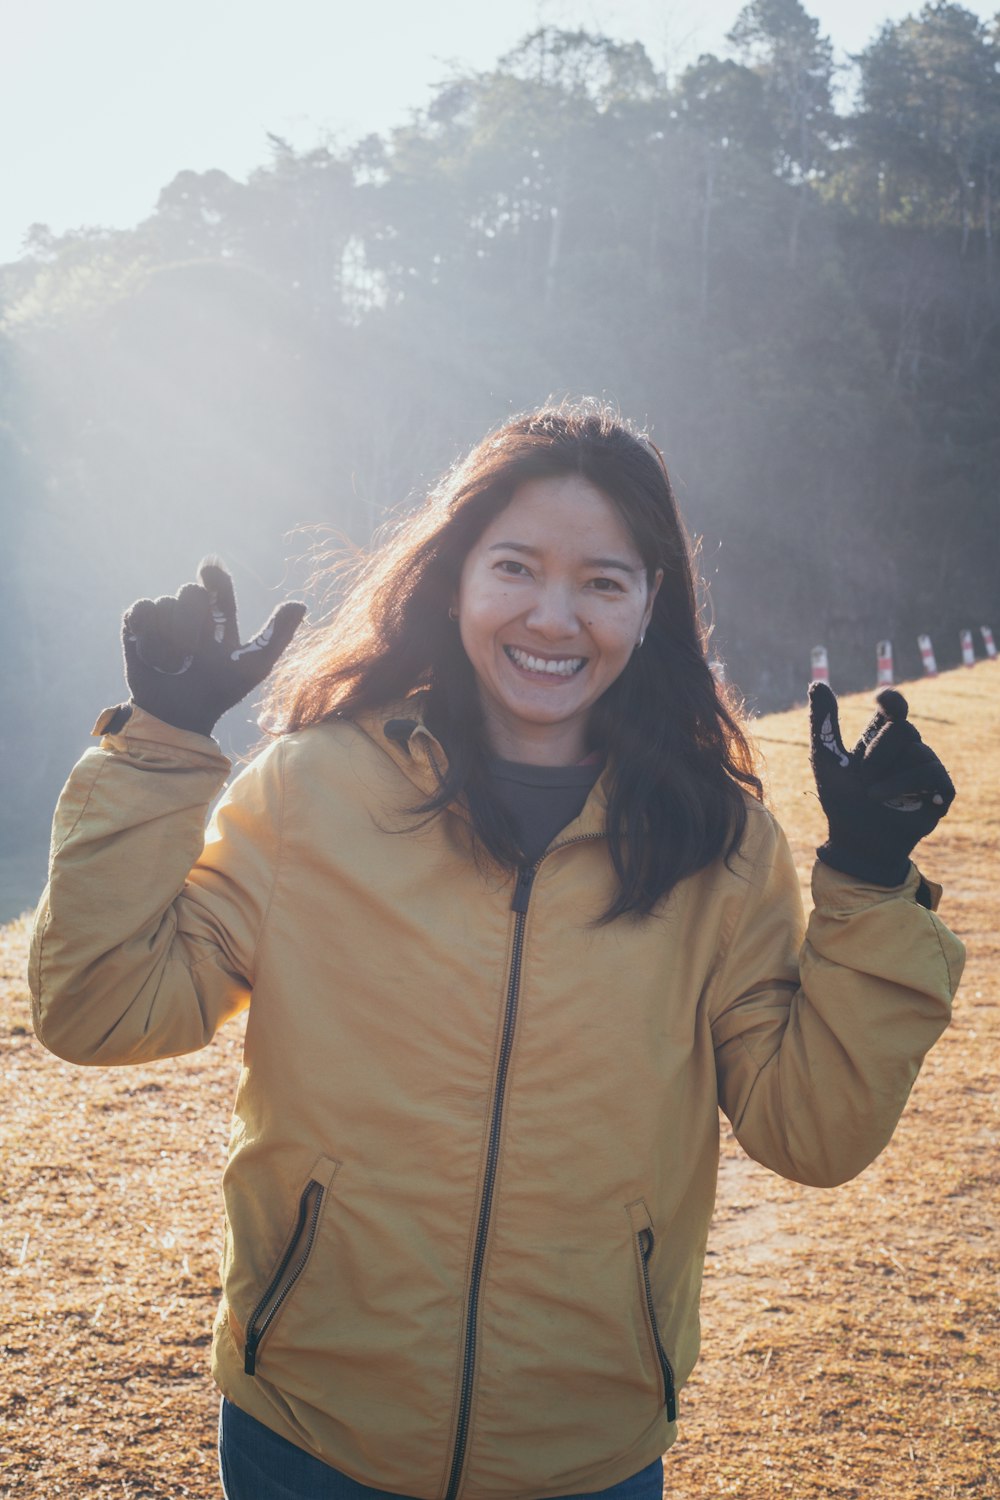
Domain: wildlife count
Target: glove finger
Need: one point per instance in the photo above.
(138, 615)
(139, 618)
(895, 738)
(137, 622)
(222, 599)
(892, 708)
(259, 655)
(929, 781)
(824, 728)
(871, 729)
(165, 618)
(945, 790)
(893, 705)
(192, 623)
(158, 644)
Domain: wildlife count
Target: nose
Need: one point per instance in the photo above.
(553, 613)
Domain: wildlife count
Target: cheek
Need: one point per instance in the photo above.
(486, 604)
(481, 613)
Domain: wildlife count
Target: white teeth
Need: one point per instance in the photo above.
(563, 668)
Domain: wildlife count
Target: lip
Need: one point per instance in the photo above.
(544, 674)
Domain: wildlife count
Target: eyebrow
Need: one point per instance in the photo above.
(588, 562)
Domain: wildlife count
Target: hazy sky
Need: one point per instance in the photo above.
(103, 101)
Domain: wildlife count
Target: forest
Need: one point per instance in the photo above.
(789, 275)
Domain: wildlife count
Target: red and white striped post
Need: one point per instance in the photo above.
(820, 665)
(988, 641)
(927, 653)
(968, 654)
(883, 664)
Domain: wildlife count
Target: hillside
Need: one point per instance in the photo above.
(850, 1337)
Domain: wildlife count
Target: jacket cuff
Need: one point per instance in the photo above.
(124, 725)
(833, 890)
(889, 871)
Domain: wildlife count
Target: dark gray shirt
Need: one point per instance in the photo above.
(541, 799)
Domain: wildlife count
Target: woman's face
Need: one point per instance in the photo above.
(551, 603)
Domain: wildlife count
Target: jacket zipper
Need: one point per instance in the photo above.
(518, 905)
(669, 1386)
(292, 1265)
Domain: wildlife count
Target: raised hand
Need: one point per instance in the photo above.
(880, 798)
(183, 657)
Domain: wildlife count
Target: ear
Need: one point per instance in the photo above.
(654, 590)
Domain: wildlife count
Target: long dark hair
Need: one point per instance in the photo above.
(680, 761)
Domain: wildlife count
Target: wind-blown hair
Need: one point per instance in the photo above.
(677, 753)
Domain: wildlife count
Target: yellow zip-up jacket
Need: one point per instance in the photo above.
(474, 1151)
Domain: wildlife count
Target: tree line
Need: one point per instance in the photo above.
(798, 294)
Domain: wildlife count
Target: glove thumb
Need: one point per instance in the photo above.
(827, 747)
(259, 655)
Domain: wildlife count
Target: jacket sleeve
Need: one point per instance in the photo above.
(817, 1046)
(144, 940)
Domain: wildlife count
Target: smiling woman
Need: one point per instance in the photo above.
(552, 601)
(556, 547)
(512, 924)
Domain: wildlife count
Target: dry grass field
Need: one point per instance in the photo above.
(850, 1337)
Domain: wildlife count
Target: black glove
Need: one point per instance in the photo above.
(183, 657)
(880, 798)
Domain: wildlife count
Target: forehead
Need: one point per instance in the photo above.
(563, 514)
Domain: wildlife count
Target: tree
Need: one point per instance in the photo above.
(722, 106)
(781, 43)
(928, 123)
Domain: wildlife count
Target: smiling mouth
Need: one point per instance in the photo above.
(562, 666)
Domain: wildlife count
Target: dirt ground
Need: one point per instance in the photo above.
(850, 1336)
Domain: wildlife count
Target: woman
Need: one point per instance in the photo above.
(515, 922)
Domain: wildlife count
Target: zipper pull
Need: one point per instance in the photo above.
(250, 1356)
(522, 889)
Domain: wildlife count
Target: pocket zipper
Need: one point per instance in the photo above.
(293, 1263)
(645, 1239)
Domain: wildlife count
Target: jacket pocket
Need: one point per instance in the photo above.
(293, 1262)
(644, 1242)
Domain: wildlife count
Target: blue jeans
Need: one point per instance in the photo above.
(257, 1464)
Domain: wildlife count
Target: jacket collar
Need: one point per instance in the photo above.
(400, 730)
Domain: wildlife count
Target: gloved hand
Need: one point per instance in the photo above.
(880, 798)
(183, 657)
